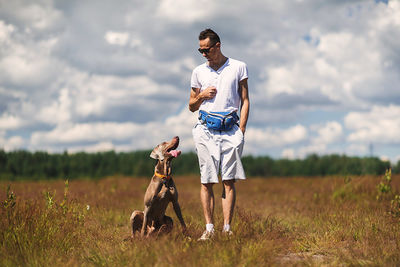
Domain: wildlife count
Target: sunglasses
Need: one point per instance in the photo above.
(206, 50)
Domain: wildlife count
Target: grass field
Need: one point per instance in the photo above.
(331, 221)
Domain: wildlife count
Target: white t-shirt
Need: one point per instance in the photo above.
(226, 79)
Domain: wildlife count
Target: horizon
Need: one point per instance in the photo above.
(194, 152)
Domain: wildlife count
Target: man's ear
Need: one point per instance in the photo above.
(157, 153)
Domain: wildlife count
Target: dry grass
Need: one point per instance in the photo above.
(278, 221)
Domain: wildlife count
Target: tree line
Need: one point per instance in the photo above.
(22, 165)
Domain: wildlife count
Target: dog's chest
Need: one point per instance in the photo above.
(166, 192)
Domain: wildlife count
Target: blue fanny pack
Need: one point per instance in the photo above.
(221, 121)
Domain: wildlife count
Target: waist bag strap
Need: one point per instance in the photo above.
(221, 121)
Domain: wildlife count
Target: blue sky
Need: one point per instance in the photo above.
(101, 75)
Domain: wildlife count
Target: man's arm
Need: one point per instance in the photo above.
(244, 104)
(197, 97)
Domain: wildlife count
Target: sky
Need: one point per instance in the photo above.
(115, 75)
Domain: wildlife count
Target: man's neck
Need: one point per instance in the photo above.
(215, 65)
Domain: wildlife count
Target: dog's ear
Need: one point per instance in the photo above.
(157, 153)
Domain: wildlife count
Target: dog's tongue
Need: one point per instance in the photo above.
(175, 153)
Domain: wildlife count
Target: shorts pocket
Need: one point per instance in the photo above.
(240, 133)
(199, 133)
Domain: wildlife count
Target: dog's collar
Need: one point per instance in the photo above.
(162, 176)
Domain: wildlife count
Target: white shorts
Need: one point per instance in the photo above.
(219, 151)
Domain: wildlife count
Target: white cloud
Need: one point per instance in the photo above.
(59, 112)
(86, 132)
(25, 61)
(318, 149)
(329, 133)
(26, 69)
(338, 66)
(12, 143)
(181, 122)
(357, 149)
(384, 158)
(132, 40)
(40, 16)
(98, 147)
(10, 122)
(186, 11)
(12, 93)
(379, 125)
(259, 139)
(280, 80)
(388, 16)
(99, 94)
(288, 153)
(5, 32)
(32, 16)
(117, 38)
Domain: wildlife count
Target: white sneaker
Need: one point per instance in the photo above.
(207, 235)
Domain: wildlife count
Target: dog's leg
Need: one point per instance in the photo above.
(151, 194)
(136, 221)
(145, 221)
(178, 212)
(166, 227)
(152, 229)
(176, 206)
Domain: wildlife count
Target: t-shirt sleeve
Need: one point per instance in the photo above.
(243, 72)
(194, 81)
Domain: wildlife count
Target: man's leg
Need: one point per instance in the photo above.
(209, 155)
(231, 170)
(228, 202)
(207, 201)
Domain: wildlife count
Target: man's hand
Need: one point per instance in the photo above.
(197, 97)
(209, 92)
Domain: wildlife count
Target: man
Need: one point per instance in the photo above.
(219, 86)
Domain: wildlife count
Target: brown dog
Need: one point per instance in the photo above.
(160, 192)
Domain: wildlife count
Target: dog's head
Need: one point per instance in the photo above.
(166, 150)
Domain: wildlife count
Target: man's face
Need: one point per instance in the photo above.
(212, 49)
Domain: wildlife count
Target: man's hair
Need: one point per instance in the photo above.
(208, 33)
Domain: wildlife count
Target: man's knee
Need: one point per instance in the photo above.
(228, 187)
(229, 184)
(207, 187)
(206, 191)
